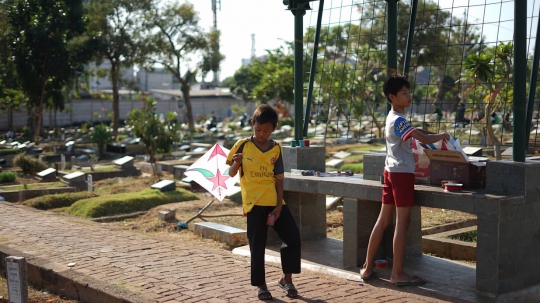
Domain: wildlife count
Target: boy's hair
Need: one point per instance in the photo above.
(264, 114)
(393, 85)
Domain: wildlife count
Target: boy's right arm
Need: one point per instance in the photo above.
(429, 138)
(237, 160)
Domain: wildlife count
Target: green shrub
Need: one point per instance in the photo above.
(125, 203)
(7, 176)
(357, 168)
(28, 164)
(101, 136)
(57, 200)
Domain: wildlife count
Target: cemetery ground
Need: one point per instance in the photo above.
(148, 223)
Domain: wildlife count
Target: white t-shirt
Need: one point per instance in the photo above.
(399, 156)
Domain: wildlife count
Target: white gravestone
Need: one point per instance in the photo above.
(16, 275)
(63, 159)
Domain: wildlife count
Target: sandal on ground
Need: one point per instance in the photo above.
(410, 282)
(264, 294)
(289, 289)
(366, 277)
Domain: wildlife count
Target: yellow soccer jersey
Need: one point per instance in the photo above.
(258, 173)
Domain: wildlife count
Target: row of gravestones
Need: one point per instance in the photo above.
(77, 178)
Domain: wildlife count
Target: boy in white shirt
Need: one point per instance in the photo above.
(398, 187)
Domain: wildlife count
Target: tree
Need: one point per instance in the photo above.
(11, 96)
(157, 133)
(43, 35)
(101, 136)
(212, 57)
(491, 70)
(175, 39)
(269, 79)
(115, 27)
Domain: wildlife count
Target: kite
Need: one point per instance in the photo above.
(212, 172)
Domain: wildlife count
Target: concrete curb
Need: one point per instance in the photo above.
(69, 282)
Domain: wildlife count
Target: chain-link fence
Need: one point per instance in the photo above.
(460, 69)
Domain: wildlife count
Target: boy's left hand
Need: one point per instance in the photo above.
(276, 211)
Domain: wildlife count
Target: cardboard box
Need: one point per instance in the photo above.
(421, 168)
(452, 165)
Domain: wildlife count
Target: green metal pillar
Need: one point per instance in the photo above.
(410, 36)
(313, 68)
(391, 40)
(532, 85)
(519, 74)
(298, 72)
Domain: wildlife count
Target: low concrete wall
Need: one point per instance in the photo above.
(15, 196)
(442, 246)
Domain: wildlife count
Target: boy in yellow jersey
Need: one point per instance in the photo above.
(259, 162)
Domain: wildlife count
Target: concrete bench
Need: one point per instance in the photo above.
(233, 236)
(507, 211)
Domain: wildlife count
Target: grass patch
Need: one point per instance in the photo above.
(57, 200)
(357, 168)
(354, 159)
(470, 236)
(126, 203)
(33, 186)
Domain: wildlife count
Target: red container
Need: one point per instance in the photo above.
(306, 143)
(453, 187)
(381, 263)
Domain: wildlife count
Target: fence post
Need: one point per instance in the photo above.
(519, 74)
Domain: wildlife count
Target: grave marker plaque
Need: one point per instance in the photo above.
(16, 276)
(124, 162)
(90, 185)
(48, 175)
(165, 185)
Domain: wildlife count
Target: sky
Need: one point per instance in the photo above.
(272, 24)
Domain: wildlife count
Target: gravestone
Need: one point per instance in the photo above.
(90, 184)
(17, 279)
(63, 160)
(124, 162)
(335, 163)
(341, 155)
(167, 214)
(73, 162)
(48, 175)
(164, 185)
(75, 179)
(179, 170)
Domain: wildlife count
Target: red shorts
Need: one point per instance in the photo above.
(398, 189)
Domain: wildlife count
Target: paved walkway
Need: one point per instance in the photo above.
(113, 265)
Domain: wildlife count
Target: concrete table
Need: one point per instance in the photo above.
(507, 232)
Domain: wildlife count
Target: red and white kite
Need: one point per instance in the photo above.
(212, 173)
